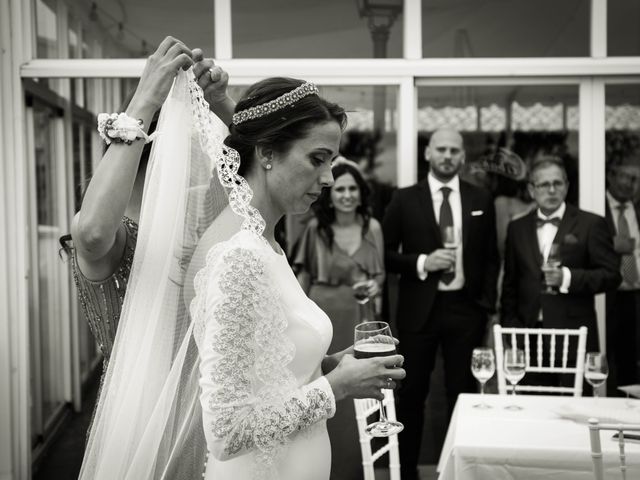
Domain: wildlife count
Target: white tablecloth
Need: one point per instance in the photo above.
(535, 442)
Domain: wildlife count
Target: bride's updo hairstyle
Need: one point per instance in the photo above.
(278, 129)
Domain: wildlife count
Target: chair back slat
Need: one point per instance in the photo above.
(539, 347)
(582, 347)
(541, 333)
(596, 448)
(364, 409)
(623, 459)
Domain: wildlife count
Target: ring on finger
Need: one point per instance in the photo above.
(211, 75)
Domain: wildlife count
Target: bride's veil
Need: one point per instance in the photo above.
(148, 422)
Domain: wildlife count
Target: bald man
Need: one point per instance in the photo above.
(445, 294)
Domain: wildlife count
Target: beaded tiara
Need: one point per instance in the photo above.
(276, 104)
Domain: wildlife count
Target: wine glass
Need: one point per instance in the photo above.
(483, 366)
(451, 241)
(553, 262)
(366, 310)
(374, 339)
(596, 370)
(514, 369)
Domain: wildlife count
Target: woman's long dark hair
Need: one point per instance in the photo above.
(325, 212)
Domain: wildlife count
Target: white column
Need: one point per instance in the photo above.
(598, 28)
(222, 29)
(407, 133)
(412, 19)
(592, 166)
(15, 442)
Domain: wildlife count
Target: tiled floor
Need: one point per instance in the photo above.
(64, 459)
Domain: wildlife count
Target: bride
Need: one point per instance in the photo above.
(219, 368)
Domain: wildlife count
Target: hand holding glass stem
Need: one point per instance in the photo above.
(374, 339)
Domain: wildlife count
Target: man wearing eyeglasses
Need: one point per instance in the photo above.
(556, 259)
(623, 304)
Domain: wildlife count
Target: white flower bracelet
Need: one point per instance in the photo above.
(121, 128)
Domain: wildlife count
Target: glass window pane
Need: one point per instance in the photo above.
(622, 120)
(502, 125)
(46, 29)
(47, 329)
(316, 29)
(138, 26)
(513, 28)
(622, 27)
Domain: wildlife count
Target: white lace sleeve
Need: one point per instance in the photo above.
(250, 399)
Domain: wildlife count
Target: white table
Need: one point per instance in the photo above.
(533, 443)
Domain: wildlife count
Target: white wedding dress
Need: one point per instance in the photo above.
(261, 340)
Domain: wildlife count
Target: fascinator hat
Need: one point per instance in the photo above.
(504, 162)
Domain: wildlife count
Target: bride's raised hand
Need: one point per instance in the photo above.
(365, 378)
(159, 72)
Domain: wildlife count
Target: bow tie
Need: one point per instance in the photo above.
(540, 222)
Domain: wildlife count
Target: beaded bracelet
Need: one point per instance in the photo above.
(121, 128)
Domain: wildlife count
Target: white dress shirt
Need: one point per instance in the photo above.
(546, 235)
(634, 231)
(435, 186)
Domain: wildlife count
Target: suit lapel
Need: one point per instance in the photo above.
(532, 233)
(426, 205)
(566, 225)
(467, 204)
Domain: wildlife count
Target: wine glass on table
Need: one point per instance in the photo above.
(483, 366)
(596, 370)
(374, 339)
(451, 241)
(514, 369)
(553, 263)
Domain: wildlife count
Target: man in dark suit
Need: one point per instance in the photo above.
(623, 304)
(444, 294)
(589, 264)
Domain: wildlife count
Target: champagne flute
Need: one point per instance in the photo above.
(483, 366)
(514, 369)
(596, 370)
(553, 263)
(374, 339)
(451, 241)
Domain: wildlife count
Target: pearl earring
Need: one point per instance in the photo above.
(268, 166)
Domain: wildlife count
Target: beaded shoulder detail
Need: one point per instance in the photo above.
(102, 300)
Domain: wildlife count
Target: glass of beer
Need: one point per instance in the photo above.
(374, 339)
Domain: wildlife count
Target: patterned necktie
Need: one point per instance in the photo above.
(446, 220)
(628, 266)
